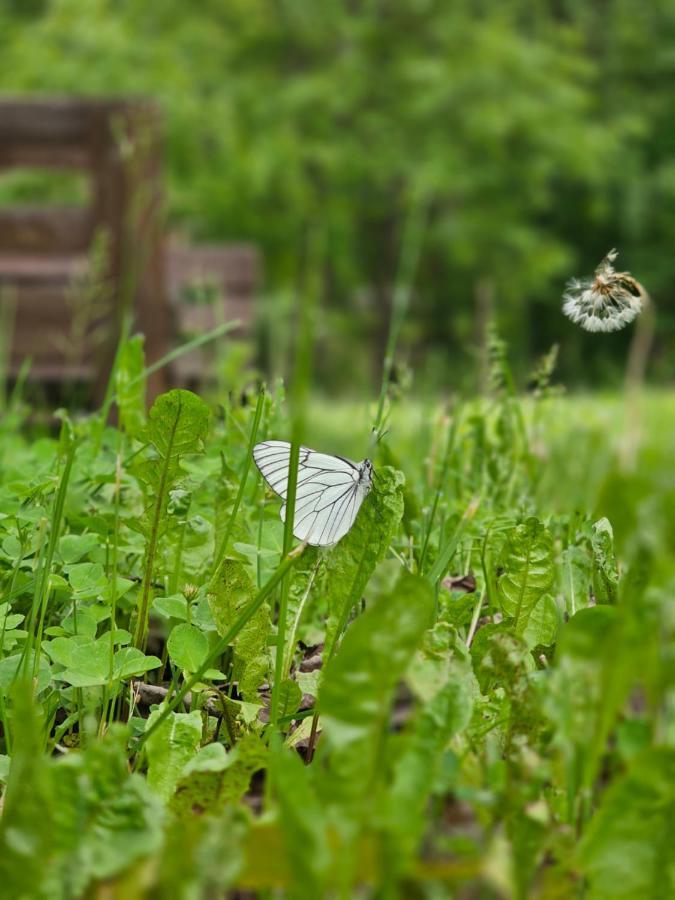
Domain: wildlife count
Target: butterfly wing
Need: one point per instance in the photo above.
(329, 490)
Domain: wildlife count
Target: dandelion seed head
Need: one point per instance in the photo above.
(606, 302)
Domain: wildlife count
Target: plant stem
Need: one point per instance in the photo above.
(447, 552)
(408, 265)
(222, 550)
(140, 634)
(439, 490)
(307, 298)
(474, 618)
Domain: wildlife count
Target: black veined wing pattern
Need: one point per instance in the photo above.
(329, 493)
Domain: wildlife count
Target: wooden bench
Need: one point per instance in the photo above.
(67, 313)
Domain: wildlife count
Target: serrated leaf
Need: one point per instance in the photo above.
(542, 626)
(290, 696)
(352, 562)
(213, 787)
(605, 570)
(231, 591)
(527, 561)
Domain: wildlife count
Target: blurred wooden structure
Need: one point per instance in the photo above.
(69, 299)
(208, 284)
(46, 251)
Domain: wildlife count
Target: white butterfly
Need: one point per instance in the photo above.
(329, 493)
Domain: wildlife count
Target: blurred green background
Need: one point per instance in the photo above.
(534, 134)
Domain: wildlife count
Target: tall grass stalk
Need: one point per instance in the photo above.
(439, 491)
(448, 550)
(42, 591)
(298, 401)
(243, 479)
(109, 700)
(411, 250)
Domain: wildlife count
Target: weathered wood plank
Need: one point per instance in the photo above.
(50, 229)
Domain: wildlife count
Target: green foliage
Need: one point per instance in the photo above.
(187, 647)
(353, 561)
(215, 778)
(443, 675)
(527, 563)
(534, 147)
(86, 661)
(232, 591)
(169, 748)
(305, 834)
(605, 572)
(626, 851)
(359, 681)
(497, 720)
(130, 385)
(69, 822)
(177, 426)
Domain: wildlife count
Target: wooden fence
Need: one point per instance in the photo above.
(71, 272)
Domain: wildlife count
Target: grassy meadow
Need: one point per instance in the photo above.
(471, 695)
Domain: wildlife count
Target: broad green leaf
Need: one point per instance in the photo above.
(174, 607)
(87, 580)
(593, 671)
(290, 695)
(129, 662)
(231, 591)
(170, 748)
(542, 626)
(627, 849)
(106, 818)
(447, 712)
(211, 782)
(605, 571)
(352, 562)
(305, 837)
(211, 758)
(527, 561)
(29, 814)
(187, 646)
(86, 661)
(10, 666)
(73, 547)
(359, 681)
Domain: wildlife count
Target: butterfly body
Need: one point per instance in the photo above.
(329, 490)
